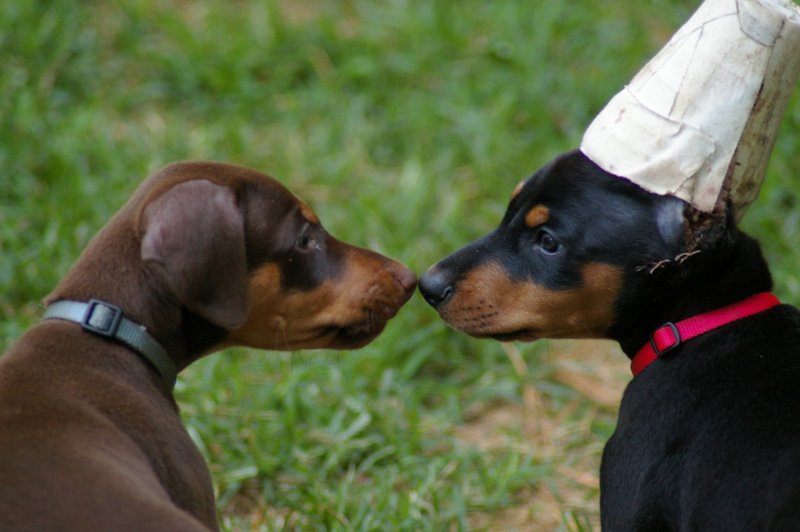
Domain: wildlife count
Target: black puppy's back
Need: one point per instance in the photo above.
(708, 439)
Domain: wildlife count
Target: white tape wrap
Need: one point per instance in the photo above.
(707, 106)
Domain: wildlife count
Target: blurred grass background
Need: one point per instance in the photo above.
(405, 124)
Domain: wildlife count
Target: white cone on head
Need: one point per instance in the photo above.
(701, 118)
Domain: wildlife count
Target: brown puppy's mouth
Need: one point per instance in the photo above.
(357, 335)
(361, 332)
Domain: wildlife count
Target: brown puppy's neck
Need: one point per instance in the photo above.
(110, 269)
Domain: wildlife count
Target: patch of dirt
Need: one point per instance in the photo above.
(560, 436)
(597, 370)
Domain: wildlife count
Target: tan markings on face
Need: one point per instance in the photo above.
(308, 214)
(343, 312)
(517, 189)
(537, 216)
(488, 303)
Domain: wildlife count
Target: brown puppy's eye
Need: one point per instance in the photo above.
(304, 242)
(547, 242)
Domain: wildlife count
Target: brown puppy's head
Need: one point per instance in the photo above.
(209, 255)
(556, 265)
(239, 251)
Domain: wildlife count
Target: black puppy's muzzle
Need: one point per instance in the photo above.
(436, 286)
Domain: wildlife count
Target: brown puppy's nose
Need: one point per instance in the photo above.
(435, 286)
(405, 277)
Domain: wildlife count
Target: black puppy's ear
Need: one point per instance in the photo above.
(670, 221)
(195, 233)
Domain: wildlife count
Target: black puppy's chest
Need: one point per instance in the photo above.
(703, 439)
(642, 464)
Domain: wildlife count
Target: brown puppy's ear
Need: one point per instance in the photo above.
(195, 233)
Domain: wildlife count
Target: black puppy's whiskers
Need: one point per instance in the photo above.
(653, 267)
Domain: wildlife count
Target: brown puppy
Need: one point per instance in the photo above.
(204, 256)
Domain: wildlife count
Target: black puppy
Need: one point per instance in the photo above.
(708, 436)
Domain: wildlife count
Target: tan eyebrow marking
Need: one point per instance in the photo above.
(308, 214)
(537, 216)
(517, 189)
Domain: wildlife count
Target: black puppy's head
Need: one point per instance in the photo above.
(556, 265)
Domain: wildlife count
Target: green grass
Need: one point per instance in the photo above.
(405, 124)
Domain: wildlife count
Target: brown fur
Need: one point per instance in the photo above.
(537, 216)
(517, 189)
(490, 304)
(359, 301)
(205, 255)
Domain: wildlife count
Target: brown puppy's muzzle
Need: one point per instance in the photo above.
(372, 291)
(346, 311)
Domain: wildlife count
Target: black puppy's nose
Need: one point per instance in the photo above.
(435, 286)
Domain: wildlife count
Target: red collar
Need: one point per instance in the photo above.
(671, 335)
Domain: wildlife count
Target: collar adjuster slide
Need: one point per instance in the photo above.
(101, 318)
(661, 343)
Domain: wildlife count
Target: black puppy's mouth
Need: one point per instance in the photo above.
(522, 335)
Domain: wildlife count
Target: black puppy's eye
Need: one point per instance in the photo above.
(547, 242)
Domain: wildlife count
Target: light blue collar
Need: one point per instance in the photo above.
(107, 320)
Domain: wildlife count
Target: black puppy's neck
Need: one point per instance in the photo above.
(718, 274)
